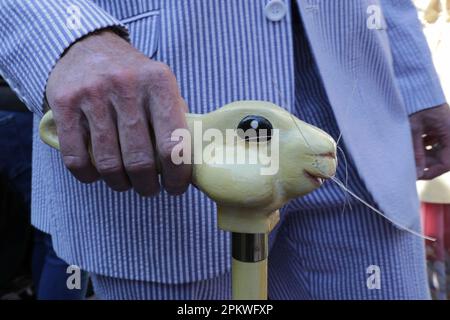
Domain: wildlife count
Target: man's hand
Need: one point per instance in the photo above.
(105, 90)
(431, 138)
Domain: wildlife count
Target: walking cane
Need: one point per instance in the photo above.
(249, 193)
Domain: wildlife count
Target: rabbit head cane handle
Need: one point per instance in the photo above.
(248, 198)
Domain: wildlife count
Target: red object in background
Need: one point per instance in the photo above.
(436, 222)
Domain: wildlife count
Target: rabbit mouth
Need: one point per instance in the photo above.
(314, 179)
(323, 168)
(331, 155)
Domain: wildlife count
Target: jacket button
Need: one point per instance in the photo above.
(275, 10)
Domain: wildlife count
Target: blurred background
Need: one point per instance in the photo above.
(435, 195)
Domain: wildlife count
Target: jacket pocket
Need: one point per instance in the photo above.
(144, 31)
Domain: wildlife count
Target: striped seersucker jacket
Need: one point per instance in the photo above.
(221, 51)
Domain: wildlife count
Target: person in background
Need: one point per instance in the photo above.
(435, 209)
(48, 270)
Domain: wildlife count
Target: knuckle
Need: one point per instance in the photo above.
(132, 119)
(65, 98)
(161, 72)
(123, 77)
(137, 165)
(108, 166)
(165, 151)
(94, 87)
(75, 163)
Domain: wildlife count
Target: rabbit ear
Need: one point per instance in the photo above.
(47, 130)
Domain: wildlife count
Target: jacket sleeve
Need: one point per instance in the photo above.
(413, 65)
(34, 35)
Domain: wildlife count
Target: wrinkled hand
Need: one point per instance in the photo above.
(106, 93)
(431, 138)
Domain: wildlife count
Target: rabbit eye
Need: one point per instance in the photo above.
(255, 128)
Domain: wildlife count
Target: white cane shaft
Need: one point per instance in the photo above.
(249, 280)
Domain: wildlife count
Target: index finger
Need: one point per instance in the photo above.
(167, 113)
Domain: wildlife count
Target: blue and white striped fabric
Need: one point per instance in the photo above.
(223, 51)
(108, 288)
(318, 254)
(331, 254)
